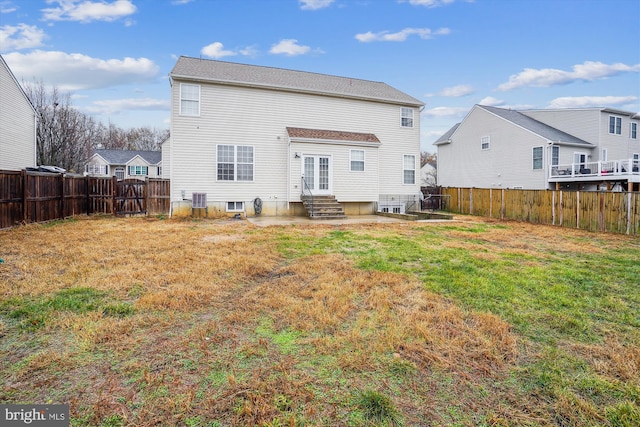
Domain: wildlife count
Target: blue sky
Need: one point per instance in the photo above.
(114, 56)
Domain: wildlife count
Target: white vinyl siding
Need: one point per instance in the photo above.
(265, 114)
(356, 161)
(189, 100)
(407, 117)
(537, 158)
(409, 169)
(17, 124)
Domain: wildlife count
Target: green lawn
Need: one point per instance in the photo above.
(218, 323)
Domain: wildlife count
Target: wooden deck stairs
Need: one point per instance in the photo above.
(323, 207)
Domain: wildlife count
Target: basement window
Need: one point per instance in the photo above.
(235, 206)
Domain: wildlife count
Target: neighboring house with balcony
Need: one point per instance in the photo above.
(125, 164)
(579, 149)
(250, 139)
(17, 123)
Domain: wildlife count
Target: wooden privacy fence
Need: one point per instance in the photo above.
(27, 197)
(617, 212)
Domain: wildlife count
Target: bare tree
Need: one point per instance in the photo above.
(67, 137)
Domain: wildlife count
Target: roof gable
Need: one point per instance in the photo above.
(545, 131)
(287, 80)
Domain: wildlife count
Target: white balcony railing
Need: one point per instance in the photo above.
(607, 169)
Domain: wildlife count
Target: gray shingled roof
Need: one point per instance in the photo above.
(121, 157)
(548, 132)
(444, 138)
(333, 135)
(297, 81)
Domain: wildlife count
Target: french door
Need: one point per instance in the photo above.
(317, 174)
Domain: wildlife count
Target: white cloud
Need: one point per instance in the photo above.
(180, 2)
(429, 3)
(289, 47)
(545, 77)
(457, 91)
(216, 50)
(115, 106)
(591, 101)
(386, 36)
(446, 112)
(87, 11)
(73, 71)
(314, 4)
(7, 7)
(491, 101)
(21, 36)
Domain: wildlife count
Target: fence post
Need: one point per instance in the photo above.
(87, 183)
(502, 208)
(471, 201)
(629, 193)
(114, 183)
(61, 196)
(577, 209)
(24, 195)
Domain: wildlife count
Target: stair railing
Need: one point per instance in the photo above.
(307, 190)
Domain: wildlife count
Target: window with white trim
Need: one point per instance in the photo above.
(189, 100)
(406, 119)
(138, 170)
(97, 169)
(235, 163)
(119, 173)
(356, 160)
(235, 206)
(615, 125)
(537, 157)
(604, 155)
(634, 131)
(555, 155)
(409, 169)
(485, 143)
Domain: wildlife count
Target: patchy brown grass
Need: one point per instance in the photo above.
(207, 323)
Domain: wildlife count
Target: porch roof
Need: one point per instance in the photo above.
(331, 135)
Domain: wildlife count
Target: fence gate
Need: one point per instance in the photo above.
(130, 197)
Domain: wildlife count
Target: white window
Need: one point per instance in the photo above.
(189, 100)
(357, 160)
(235, 163)
(634, 131)
(485, 143)
(235, 206)
(406, 117)
(409, 169)
(537, 157)
(615, 125)
(555, 155)
(604, 155)
(97, 169)
(138, 170)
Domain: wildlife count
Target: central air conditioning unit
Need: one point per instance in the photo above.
(199, 201)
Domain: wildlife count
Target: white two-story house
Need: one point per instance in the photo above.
(255, 139)
(17, 123)
(579, 149)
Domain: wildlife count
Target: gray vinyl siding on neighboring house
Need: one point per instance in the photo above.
(507, 163)
(17, 124)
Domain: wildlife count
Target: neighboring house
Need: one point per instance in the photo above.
(581, 149)
(17, 123)
(125, 164)
(254, 139)
(428, 175)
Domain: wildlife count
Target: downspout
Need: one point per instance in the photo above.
(171, 159)
(288, 174)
